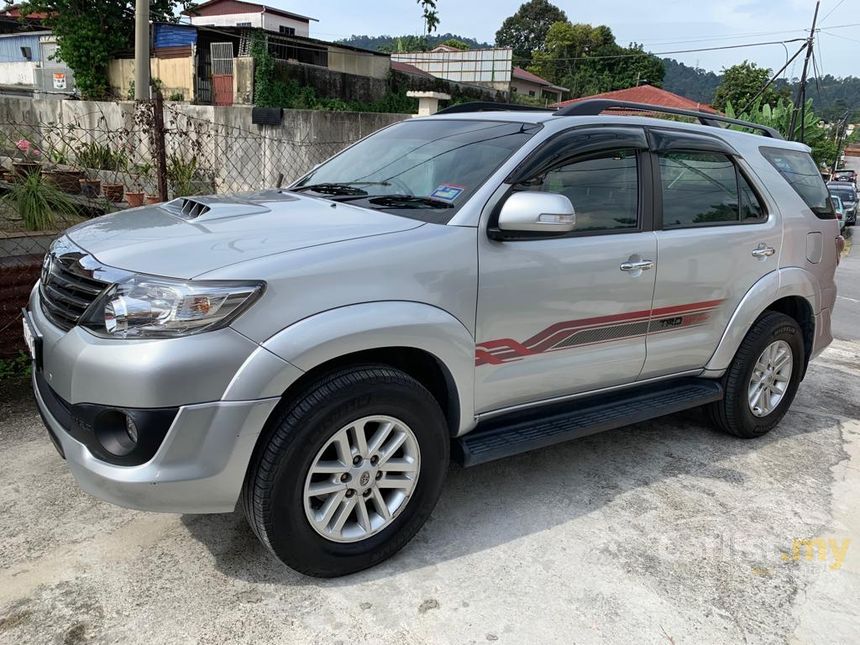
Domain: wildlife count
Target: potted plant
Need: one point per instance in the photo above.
(153, 199)
(136, 196)
(91, 157)
(91, 186)
(60, 174)
(27, 162)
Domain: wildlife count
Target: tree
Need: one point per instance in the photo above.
(90, 32)
(587, 60)
(431, 15)
(741, 83)
(526, 31)
(456, 44)
(816, 135)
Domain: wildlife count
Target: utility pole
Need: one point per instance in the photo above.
(841, 130)
(800, 102)
(141, 50)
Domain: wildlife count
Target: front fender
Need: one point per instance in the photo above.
(792, 281)
(337, 332)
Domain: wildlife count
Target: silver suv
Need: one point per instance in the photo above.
(472, 285)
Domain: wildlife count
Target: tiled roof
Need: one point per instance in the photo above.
(647, 94)
(406, 68)
(523, 75)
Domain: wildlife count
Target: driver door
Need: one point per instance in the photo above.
(563, 315)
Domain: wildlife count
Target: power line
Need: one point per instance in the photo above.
(853, 40)
(838, 4)
(418, 59)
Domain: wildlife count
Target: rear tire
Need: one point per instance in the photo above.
(310, 433)
(762, 380)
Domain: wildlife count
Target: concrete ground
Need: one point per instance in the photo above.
(665, 532)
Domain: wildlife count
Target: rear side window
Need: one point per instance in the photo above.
(705, 189)
(800, 171)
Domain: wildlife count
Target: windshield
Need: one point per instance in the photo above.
(424, 169)
(847, 194)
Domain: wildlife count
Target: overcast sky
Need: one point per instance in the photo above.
(661, 25)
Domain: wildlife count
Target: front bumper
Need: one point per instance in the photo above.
(213, 382)
(199, 467)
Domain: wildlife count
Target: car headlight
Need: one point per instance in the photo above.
(155, 307)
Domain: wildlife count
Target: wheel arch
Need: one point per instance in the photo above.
(793, 292)
(423, 341)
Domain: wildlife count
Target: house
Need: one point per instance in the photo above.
(29, 66)
(237, 13)
(527, 84)
(212, 65)
(647, 94)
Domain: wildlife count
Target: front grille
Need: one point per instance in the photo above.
(67, 289)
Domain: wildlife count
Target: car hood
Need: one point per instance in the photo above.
(191, 236)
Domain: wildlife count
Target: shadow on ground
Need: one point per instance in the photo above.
(488, 505)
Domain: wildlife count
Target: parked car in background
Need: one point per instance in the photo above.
(839, 209)
(847, 194)
(846, 175)
(470, 285)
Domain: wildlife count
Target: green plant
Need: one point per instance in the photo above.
(101, 157)
(176, 96)
(15, 368)
(37, 203)
(182, 174)
(778, 116)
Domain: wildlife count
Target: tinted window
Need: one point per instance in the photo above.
(800, 171)
(751, 208)
(699, 188)
(604, 190)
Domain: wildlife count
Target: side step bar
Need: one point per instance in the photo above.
(548, 425)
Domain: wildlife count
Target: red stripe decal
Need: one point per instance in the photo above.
(503, 350)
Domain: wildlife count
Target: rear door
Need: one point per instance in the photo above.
(716, 237)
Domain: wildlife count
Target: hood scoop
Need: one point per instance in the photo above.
(186, 208)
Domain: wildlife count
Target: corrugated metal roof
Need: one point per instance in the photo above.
(167, 35)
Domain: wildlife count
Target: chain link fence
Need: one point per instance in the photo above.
(64, 162)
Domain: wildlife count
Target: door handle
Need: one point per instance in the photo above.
(639, 265)
(763, 251)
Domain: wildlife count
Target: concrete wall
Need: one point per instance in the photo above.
(333, 84)
(232, 153)
(243, 80)
(268, 21)
(274, 22)
(21, 73)
(540, 92)
(353, 62)
(229, 20)
(176, 75)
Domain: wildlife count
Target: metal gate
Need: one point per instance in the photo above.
(222, 73)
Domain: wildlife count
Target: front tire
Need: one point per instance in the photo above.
(350, 471)
(763, 378)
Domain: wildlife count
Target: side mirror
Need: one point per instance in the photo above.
(536, 212)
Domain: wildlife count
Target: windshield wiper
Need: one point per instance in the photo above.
(340, 188)
(408, 201)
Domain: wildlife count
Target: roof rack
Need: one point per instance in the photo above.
(593, 107)
(489, 106)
